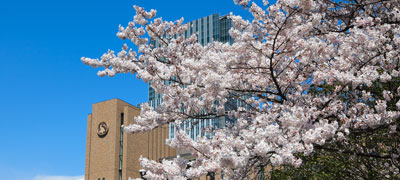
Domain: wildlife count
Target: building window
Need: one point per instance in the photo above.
(192, 132)
(172, 130)
(191, 129)
(121, 142)
(191, 29)
(261, 174)
(197, 128)
(202, 27)
(211, 175)
(202, 127)
(207, 126)
(215, 123)
(187, 127)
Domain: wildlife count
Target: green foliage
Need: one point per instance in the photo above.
(364, 154)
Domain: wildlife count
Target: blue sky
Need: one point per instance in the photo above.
(45, 90)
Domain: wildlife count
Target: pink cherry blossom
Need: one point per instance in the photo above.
(277, 70)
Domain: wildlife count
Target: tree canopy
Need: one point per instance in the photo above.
(314, 76)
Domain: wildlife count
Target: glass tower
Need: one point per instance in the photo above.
(208, 29)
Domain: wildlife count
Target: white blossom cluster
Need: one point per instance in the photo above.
(283, 59)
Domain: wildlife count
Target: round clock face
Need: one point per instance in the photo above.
(102, 129)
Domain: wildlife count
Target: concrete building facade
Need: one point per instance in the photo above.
(112, 154)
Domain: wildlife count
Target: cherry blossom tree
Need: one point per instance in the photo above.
(306, 70)
(364, 154)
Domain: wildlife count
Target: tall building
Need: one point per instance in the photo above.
(112, 154)
(210, 28)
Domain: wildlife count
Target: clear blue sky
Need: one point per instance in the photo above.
(45, 90)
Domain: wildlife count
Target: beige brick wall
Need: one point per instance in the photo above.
(88, 137)
(102, 154)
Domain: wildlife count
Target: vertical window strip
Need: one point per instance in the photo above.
(121, 142)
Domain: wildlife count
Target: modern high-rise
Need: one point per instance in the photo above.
(210, 28)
